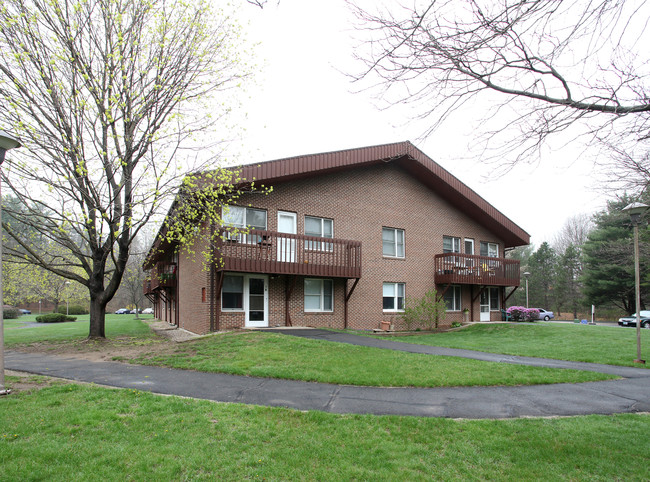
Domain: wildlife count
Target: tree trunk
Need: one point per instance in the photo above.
(97, 317)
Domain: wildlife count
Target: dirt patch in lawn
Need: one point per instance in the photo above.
(25, 382)
(163, 339)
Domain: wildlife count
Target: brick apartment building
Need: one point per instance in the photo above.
(341, 241)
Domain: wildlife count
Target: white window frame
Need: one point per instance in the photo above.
(455, 244)
(396, 243)
(396, 297)
(469, 241)
(243, 307)
(321, 308)
(457, 298)
(315, 245)
(227, 216)
(494, 247)
(498, 298)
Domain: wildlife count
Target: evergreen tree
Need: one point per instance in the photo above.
(609, 258)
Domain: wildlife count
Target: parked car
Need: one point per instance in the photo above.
(25, 312)
(122, 311)
(147, 311)
(644, 316)
(545, 314)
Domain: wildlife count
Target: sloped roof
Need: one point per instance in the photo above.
(404, 155)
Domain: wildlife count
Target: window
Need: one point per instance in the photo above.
(319, 295)
(450, 245)
(232, 293)
(453, 299)
(240, 217)
(489, 249)
(393, 242)
(204, 296)
(393, 296)
(494, 299)
(321, 227)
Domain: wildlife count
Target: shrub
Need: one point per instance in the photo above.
(10, 313)
(72, 310)
(519, 313)
(428, 310)
(55, 318)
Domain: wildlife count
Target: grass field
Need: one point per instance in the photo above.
(17, 332)
(562, 341)
(73, 432)
(280, 356)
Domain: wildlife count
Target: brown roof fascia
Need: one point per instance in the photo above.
(406, 156)
(403, 154)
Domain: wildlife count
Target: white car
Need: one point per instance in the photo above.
(147, 311)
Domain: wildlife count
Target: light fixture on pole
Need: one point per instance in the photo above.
(6, 142)
(636, 210)
(526, 274)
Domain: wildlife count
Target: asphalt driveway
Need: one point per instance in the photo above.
(627, 395)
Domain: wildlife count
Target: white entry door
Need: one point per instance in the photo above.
(257, 301)
(485, 305)
(287, 223)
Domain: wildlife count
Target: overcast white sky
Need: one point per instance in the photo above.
(303, 104)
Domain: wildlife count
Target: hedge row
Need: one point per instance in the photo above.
(55, 318)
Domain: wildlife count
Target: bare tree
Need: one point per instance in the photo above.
(106, 95)
(574, 232)
(626, 168)
(546, 66)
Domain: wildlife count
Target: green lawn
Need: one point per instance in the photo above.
(75, 432)
(17, 332)
(567, 341)
(281, 356)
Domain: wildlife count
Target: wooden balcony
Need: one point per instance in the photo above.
(280, 253)
(456, 268)
(163, 275)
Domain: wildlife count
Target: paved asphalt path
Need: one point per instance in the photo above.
(628, 395)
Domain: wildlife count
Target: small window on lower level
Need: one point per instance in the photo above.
(319, 295)
(453, 299)
(232, 293)
(494, 299)
(393, 296)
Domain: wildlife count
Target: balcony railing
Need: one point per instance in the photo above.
(280, 253)
(456, 268)
(163, 275)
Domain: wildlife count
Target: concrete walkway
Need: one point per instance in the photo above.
(631, 394)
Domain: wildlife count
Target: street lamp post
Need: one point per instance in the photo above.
(6, 142)
(636, 210)
(526, 274)
(67, 299)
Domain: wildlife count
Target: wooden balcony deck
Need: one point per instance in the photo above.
(456, 268)
(280, 253)
(163, 275)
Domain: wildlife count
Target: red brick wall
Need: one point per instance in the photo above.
(193, 278)
(361, 202)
